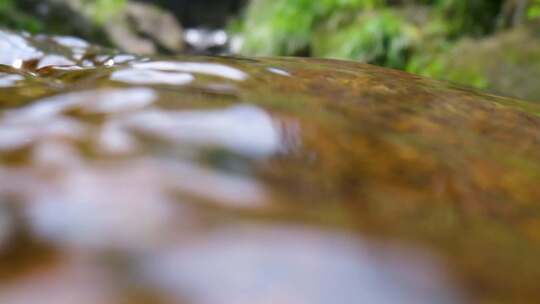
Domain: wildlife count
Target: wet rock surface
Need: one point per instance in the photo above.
(144, 29)
(128, 179)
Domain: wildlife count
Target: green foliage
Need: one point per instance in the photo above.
(284, 27)
(533, 11)
(21, 14)
(12, 17)
(382, 38)
(419, 36)
(373, 31)
(100, 11)
(469, 17)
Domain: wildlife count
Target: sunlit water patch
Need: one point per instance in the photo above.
(54, 60)
(15, 49)
(213, 69)
(149, 77)
(243, 129)
(8, 80)
(294, 265)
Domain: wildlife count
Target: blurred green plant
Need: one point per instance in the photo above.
(378, 37)
(533, 11)
(12, 17)
(101, 11)
(469, 17)
(284, 27)
(372, 31)
(425, 37)
(23, 15)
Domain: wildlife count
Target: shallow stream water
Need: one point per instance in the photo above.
(219, 180)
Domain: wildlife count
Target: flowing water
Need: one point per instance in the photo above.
(218, 180)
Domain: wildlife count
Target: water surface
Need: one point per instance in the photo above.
(126, 179)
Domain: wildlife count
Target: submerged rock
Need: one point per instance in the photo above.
(238, 180)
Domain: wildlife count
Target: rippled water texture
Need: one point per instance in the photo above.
(230, 180)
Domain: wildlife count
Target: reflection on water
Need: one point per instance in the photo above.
(236, 180)
(8, 80)
(138, 76)
(14, 136)
(251, 264)
(278, 71)
(213, 69)
(63, 209)
(14, 49)
(242, 129)
(105, 101)
(123, 58)
(246, 264)
(47, 124)
(72, 43)
(45, 119)
(54, 60)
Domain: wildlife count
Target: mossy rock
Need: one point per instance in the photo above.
(507, 63)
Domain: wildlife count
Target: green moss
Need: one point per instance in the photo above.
(500, 63)
(471, 76)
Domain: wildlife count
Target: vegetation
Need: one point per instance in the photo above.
(52, 15)
(99, 11)
(379, 37)
(419, 36)
(388, 33)
(13, 17)
(284, 27)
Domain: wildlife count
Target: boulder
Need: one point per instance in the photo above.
(144, 29)
(127, 25)
(507, 63)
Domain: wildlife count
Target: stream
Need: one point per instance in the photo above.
(218, 180)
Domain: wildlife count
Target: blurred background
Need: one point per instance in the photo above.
(487, 44)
